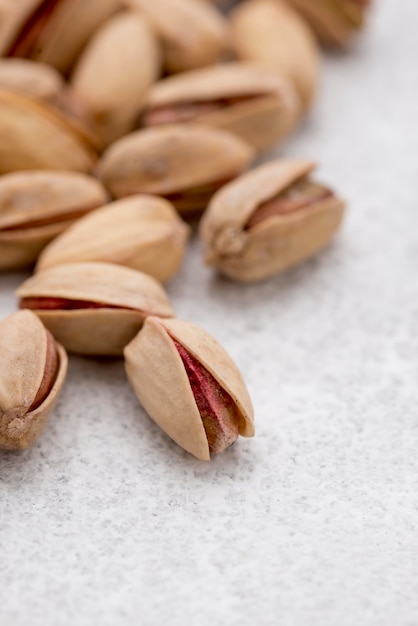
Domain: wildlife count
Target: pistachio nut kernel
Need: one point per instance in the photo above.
(185, 164)
(142, 232)
(249, 100)
(189, 386)
(334, 21)
(32, 373)
(36, 80)
(192, 33)
(35, 206)
(269, 220)
(113, 88)
(50, 31)
(272, 33)
(93, 308)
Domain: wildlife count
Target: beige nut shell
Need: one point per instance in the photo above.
(36, 80)
(275, 243)
(142, 232)
(158, 376)
(23, 346)
(103, 331)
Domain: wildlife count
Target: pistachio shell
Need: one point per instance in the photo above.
(250, 100)
(35, 136)
(142, 232)
(192, 32)
(158, 376)
(114, 86)
(272, 33)
(24, 347)
(172, 160)
(275, 243)
(36, 80)
(124, 298)
(35, 206)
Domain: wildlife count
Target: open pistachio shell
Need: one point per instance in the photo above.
(184, 163)
(159, 377)
(272, 33)
(94, 308)
(36, 80)
(297, 219)
(249, 100)
(36, 136)
(142, 232)
(193, 33)
(36, 206)
(113, 86)
(32, 373)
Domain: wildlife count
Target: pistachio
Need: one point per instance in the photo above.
(36, 206)
(249, 100)
(35, 136)
(268, 220)
(193, 33)
(334, 21)
(185, 164)
(113, 86)
(189, 386)
(142, 232)
(35, 80)
(51, 31)
(93, 308)
(272, 33)
(32, 373)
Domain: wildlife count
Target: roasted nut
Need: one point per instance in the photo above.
(36, 136)
(272, 33)
(193, 33)
(113, 85)
(142, 232)
(32, 373)
(334, 21)
(185, 164)
(189, 385)
(37, 206)
(35, 80)
(268, 220)
(94, 308)
(249, 100)
(51, 31)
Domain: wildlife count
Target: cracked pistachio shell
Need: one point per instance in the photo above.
(117, 300)
(36, 206)
(272, 33)
(52, 33)
(250, 100)
(142, 232)
(192, 33)
(334, 21)
(36, 80)
(32, 373)
(172, 160)
(275, 243)
(158, 376)
(113, 87)
(36, 136)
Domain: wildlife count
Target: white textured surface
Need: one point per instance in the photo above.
(312, 523)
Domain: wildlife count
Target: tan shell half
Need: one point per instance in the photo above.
(272, 33)
(274, 244)
(55, 197)
(97, 331)
(142, 232)
(193, 33)
(23, 347)
(268, 112)
(158, 376)
(36, 136)
(172, 159)
(36, 80)
(114, 73)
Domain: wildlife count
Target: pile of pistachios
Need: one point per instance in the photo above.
(119, 121)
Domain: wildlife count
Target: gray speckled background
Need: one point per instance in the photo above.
(312, 523)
